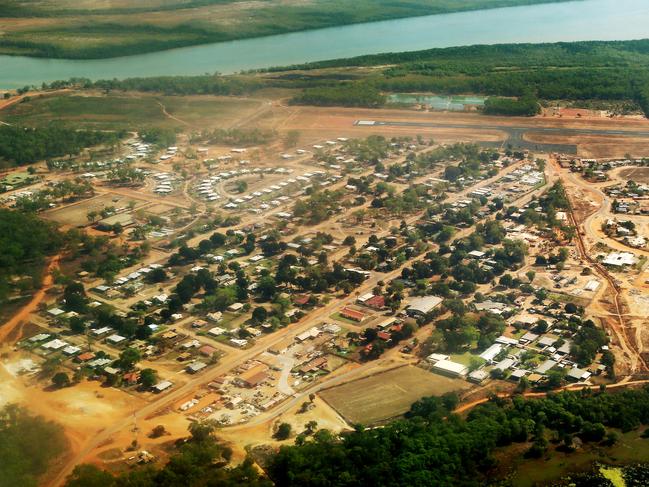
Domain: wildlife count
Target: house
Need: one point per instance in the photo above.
(352, 314)
(301, 299)
(235, 307)
(207, 350)
(85, 357)
(55, 312)
(217, 331)
(376, 302)
(131, 377)
(195, 367)
(384, 335)
(310, 333)
(115, 339)
(215, 317)
(55, 344)
(162, 386)
(476, 254)
(576, 374)
(453, 369)
(529, 337)
(420, 307)
(545, 366)
(491, 306)
(362, 299)
(71, 350)
(505, 364)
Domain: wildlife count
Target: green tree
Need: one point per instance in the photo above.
(60, 380)
(283, 431)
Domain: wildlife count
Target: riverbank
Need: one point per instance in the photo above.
(65, 30)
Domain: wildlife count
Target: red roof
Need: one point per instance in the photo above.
(384, 335)
(132, 377)
(84, 357)
(352, 314)
(301, 299)
(207, 350)
(376, 302)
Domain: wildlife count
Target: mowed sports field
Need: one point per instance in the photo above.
(389, 394)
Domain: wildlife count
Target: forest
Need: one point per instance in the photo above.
(28, 445)
(26, 241)
(23, 145)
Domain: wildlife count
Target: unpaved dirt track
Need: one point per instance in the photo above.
(24, 313)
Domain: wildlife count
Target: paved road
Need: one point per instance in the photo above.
(515, 135)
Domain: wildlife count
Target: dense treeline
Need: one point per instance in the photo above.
(25, 241)
(527, 106)
(347, 95)
(209, 84)
(605, 71)
(28, 444)
(22, 145)
(427, 449)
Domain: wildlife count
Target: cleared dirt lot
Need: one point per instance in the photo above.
(637, 174)
(389, 394)
(76, 214)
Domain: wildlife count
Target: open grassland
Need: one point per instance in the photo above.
(388, 394)
(630, 448)
(99, 28)
(116, 111)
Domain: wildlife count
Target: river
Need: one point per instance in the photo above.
(571, 21)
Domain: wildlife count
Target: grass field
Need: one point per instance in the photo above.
(99, 29)
(116, 111)
(387, 395)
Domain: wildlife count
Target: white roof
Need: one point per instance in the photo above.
(55, 344)
(620, 259)
(450, 366)
(161, 386)
(491, 353)
(424, 304)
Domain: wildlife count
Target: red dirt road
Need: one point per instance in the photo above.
(22, 315)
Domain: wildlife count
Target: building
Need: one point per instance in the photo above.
(576, 374)
(492, 352)
(419, 307)
(195, 367)
(253, 377)
(352, 314)
(450, 368)
(162, 386)
(375, 302)
(619, 259)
